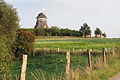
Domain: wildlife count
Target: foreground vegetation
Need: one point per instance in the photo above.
(8, 26)
(50, 64)
(52, 67)
(100, 73)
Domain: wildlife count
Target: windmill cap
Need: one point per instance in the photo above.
(41, 15)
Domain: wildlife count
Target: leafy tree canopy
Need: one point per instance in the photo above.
(85, 29)
(97, 31)
(8, 27)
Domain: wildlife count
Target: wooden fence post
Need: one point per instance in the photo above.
(44, 50)
(58, 50)
(104, 56)
(89, 58)
(73, 50)
(113, 51)
(23, 69)
(67, 64)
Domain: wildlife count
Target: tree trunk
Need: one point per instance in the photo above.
(100, 35)
(96, 36)
(90, 36)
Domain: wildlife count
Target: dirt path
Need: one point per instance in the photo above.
(116, 77)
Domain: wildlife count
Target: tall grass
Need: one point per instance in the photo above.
(98, 72)
(50, 65)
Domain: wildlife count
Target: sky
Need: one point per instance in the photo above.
(104, 14)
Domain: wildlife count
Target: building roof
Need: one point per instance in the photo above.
(41, 15)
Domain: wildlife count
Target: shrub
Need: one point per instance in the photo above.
(48, 32)
(5, 58)
(28, 29)
(24, 44)
(9, 24)
(55, 31)
(39, 32)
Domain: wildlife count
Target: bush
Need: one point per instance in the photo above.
(9, 24)
(28, 29)
(48, 32)
(5, 58)
(39, 32)
(55, 31)
(65, 32)
(24, 44)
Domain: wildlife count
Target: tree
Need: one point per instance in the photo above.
(85, 30)
(40, 31)
(55, 31)
(66, 32)
(97, 32)
(48, 32)
(82, 31)
(75, 33)
(9, 24)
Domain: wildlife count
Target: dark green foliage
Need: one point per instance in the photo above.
(97, 31)
(24, 43)
(5, 58)
(9, 22)
(55, 31)
(37, 32)
(8, 27)
(65, 32)
(85, 30)
(40, 31)
(75, 33)
(48, 32)
(28, 29)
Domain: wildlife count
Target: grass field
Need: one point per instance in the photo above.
(50, 64)
(77, 43)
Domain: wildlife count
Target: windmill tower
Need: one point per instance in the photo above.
(41, 20)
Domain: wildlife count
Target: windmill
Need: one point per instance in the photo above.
(41, 20)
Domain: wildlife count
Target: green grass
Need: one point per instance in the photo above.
(50, 64)
(108, 71)
(101, 73)
(54, 64)
(82, 43)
